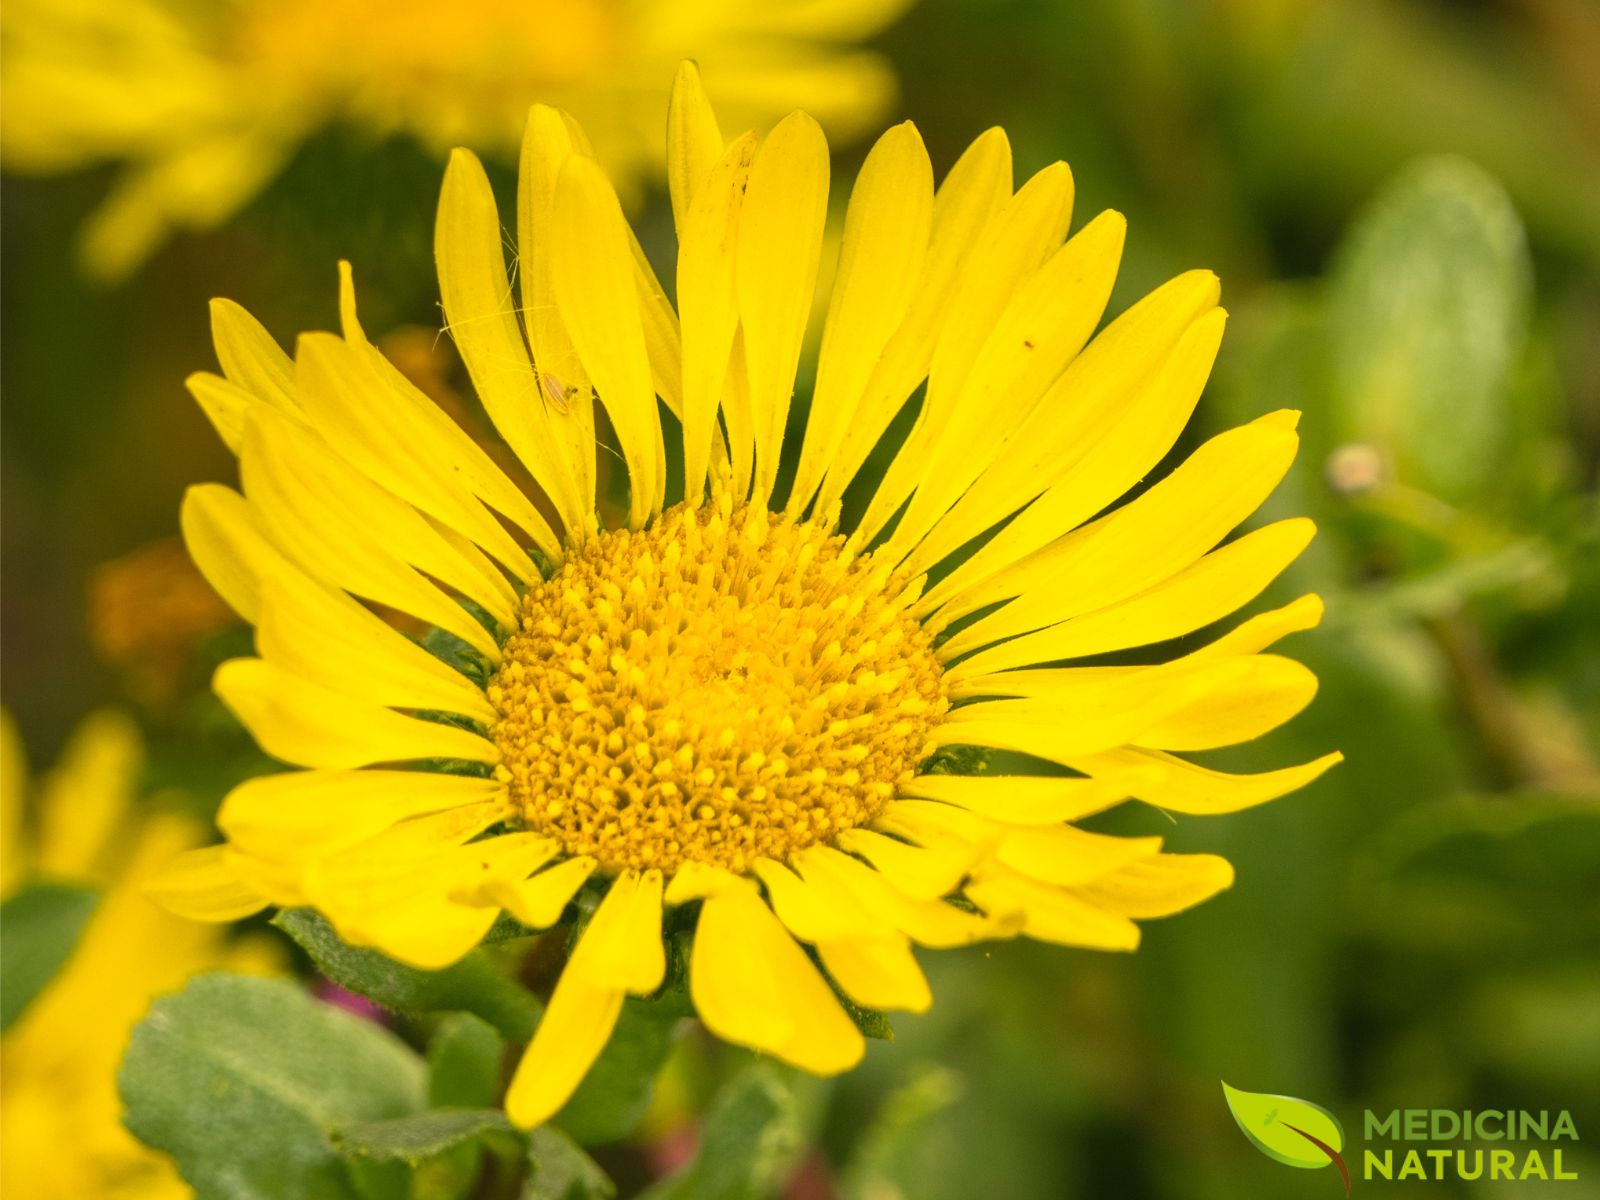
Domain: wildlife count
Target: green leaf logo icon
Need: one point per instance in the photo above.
(1288, 1129)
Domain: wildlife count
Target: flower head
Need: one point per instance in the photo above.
(739, 699)
(204, 103)
(60, 1116)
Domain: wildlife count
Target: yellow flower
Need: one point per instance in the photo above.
(733, 701)
(60, 1116)
(203, 103)
(149, 612)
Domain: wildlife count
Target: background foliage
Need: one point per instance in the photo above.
(1403, 200)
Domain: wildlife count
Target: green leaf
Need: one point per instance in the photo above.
(1428, 307)
(380, 1180)
(459, 654)
(420, 1136)
(748, 1143)
(464, 1063)
(958, 760)
(558, 1170)
(871, 1022)
(1282, 1127)
(475, 984)
(244, 1081)
(896, 1134)
(40, 925)
(616, 1091)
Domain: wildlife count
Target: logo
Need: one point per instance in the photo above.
(1293, 1131)
(1301, 1134)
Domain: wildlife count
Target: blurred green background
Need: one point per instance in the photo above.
(1403, 200)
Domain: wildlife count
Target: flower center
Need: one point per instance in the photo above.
(723, 686)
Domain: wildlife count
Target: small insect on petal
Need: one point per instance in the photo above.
(555, 392)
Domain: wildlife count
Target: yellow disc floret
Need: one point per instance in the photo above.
(722, 686)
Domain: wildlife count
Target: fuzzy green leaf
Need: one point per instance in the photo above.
(559, 1170)
(245, 1081)
(897, 1133)
(420, 1136)
(40, 925)
(475, 984)
(464, 1063)
(748, 1143)
(616, 1091)
(1428, 307)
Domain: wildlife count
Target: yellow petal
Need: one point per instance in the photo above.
(1091, 715)
(945, 826)
(479, 310)
(879, 973)
(1022, 234)
(815, 914)
(594, 276)
(753, 986)
(1249, 638)
(885, 241)
(84, 798)
(694, 141)
(329, 639)
(398, 891)
(486, 863)
(1063, 855)
(303, 813)
(384, 861)
(344, 529)
(307, 474)
(971, 193)
(539, 902)
(1117, 408)
(696, 881)
(275, 879)
(308, 725)
(250, 358)
(1206, 591)
(709, 307)
(549, 141)
(224, 403)
(1145, 542)
(1185, 787)
(927, 872)
(926, 922)
(1127, 453)
(1044, 325)
(199, 884)
(1026, 230)
(621, 946)
(663, 342)
(400, 439)
(1023, 799)
(780, 238)
(1053, 915)
(1263, 629)
(1160, 886)
(13, 790)
(227, 543)
(422, 929)
(575, 1027)
(1272, 690)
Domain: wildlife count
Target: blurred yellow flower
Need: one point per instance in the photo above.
(204, 102)
(731, 702)
(149, 611)
(60, 1116)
